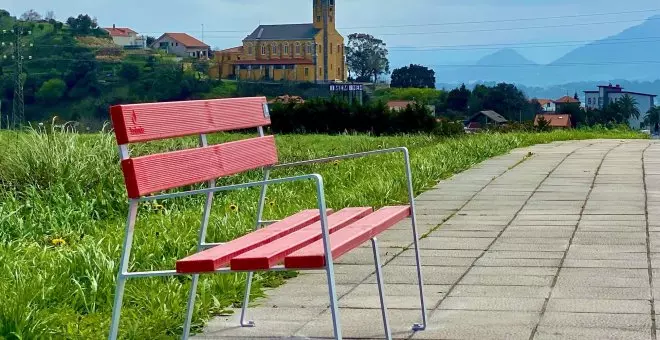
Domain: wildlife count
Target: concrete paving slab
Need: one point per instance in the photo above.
(573, 333)
(599, 306)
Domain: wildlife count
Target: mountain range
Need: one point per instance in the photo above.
(633, 55)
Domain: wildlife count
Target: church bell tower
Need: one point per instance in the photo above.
(321, 7)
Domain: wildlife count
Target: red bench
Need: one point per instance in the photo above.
(308, 240)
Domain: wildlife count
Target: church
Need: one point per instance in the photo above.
(311, 52)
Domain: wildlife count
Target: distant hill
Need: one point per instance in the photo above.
(618, 56)
(633, 54)
(505, 64)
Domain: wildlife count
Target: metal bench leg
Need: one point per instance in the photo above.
(420, 281)
(203, 141)
(381, 289)
(123, 268)
(248, 283)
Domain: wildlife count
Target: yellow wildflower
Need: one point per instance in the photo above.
(58, 242)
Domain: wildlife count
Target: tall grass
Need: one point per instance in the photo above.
(59, 185)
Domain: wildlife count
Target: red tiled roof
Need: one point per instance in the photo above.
(399, 104)
(555, 120)
(119, 31)
(566, 99)
(185, 39)
(276, 62)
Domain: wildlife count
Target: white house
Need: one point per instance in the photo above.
(182, 44)
(547, 105)
(608, 94)
(126, 37)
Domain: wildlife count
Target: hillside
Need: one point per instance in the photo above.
(75, 72)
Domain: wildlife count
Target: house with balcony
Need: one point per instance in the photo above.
(182, 45)
(607, 94)
(126, 37)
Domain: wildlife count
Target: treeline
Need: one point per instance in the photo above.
(335, 116)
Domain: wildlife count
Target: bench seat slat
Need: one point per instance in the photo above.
(272, 253)
(347, 238)
(216, 257)
(153, 173)
(151, 121)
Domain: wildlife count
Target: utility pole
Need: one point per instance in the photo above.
(18, 107)
(325, 39)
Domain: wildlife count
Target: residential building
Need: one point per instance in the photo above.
(547, 105)
(126, 37)
(564, 101)
(559, 121)
(483, 118)
(182, 45)
(291, 52)
(607, 94)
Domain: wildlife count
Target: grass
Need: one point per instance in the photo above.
(63, 187)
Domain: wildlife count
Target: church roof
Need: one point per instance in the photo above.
(284, 32)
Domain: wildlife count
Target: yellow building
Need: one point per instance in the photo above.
(294, 52)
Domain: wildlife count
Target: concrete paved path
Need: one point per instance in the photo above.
(564, 244)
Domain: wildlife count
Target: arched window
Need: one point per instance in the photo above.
(274, 48)
(308, 48)
(250, 49)
(297, 48)
(263, 49)
(330, 49)
(286, 48)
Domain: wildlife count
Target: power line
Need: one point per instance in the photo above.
(602, 63)
(484, 29)
(453, 23)
(568, 43)
(560, 43)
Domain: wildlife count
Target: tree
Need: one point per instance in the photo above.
(31, 15)
(50, 15)
(366, 57)
(150, 40)
(457, 99)
(506, 100)
(628, 107)
(82, 25)
(535, 106)
(130, 72)
(652, 119)
(576, 97)
(51, 91)
(413, 76)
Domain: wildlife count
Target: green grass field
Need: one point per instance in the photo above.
(68, 186)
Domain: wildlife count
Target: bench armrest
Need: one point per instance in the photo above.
(315, 177)
(347, 156)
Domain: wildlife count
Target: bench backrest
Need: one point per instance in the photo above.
(154, 121)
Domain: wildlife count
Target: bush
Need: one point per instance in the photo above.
(336, 116)
(51, 91)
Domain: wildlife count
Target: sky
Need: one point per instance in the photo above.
(446, 31)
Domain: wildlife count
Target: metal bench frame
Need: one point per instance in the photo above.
(124, 274)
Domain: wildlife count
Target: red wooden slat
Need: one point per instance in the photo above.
(144, 122)
(149, 174)
(348, 238)
(274, 252)
(216, 257)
